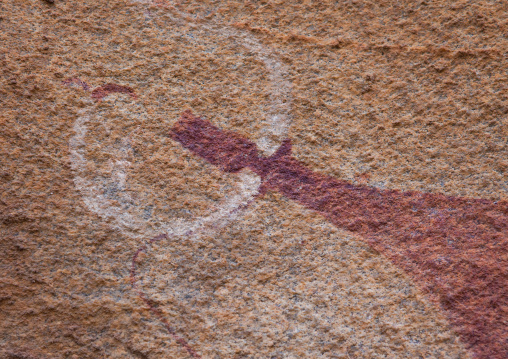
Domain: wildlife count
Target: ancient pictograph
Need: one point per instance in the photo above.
(450, 246)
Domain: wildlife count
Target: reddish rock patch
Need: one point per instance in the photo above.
(100, 92)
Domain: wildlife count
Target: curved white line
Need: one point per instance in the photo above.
(246, 187)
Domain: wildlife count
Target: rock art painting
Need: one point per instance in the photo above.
(102, 91)
(253, 179)
(451, 246)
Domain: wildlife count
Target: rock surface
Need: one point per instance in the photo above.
(407, 96)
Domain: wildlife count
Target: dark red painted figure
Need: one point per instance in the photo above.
(102, 91)
(455, 248)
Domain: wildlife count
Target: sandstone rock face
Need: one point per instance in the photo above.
(130, 231)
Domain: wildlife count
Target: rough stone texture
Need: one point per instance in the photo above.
(403, 95)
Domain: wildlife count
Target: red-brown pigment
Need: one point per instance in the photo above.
(151, 305)
(455, 248)
(100, 92)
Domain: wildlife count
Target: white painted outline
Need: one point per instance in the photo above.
(247, 186)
